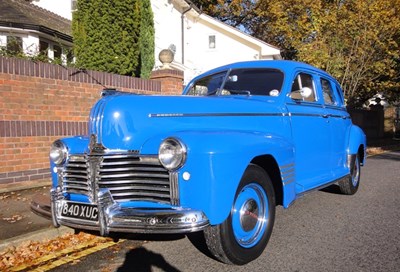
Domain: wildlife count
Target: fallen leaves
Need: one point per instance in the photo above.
(27, 254)
(4, 197)
(13, 219)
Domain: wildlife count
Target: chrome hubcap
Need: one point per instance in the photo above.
(355, 173)
(250, 215)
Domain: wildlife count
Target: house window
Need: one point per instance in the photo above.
(211, 41)
(57, 51)
(43, 48)
(74, 5)
(70, 56)
(14, 45)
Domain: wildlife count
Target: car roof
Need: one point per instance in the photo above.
(283, 65)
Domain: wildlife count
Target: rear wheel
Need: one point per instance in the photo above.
(350, 185)
(243, 236)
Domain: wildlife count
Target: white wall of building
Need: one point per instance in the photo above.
(30, 42)
(228, 48)
(167, 28)
(230, 44)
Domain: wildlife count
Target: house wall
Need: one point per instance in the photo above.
(228, 47)
(40, 103)
(30, 41)
(167, 27)
(198, 57)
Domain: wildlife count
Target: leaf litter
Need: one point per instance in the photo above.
(27, 254)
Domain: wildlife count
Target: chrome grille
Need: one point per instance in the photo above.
(75, 176)
(128, 177)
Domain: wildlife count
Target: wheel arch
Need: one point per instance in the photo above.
(357, 143)
(361, 154)
(269, 164)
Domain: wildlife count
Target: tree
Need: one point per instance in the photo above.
(107, 36)
(234, 12)
(146, 39)
(356, 41)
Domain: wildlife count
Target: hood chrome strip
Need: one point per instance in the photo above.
(160, 115)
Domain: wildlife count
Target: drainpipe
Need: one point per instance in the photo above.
(183, 31)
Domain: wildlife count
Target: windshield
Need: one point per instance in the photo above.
(248, 81)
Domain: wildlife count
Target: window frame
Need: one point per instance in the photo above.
(15, 39)
(313, 89)
(331, 92)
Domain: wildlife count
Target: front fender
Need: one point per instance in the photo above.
(216, 161)
(74, 145)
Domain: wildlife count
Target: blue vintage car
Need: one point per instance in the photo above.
(240, 140)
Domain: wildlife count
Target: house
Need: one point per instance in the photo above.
(201, 42)
(198, 41)
(31, 30)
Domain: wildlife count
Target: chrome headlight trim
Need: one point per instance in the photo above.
(58, 152)
(172, 153)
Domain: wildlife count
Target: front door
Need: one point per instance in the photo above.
(310, 133)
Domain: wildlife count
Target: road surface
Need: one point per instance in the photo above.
(323, 231)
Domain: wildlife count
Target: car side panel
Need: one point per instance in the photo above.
(215, 167)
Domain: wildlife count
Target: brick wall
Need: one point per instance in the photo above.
(40, 103)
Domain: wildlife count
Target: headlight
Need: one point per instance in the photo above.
(58, 152)
(172, 153)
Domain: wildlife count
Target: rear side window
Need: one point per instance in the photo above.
(339, 93)
(327, 91)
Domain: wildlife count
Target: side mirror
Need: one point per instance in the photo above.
(301, 94)
(306, 92)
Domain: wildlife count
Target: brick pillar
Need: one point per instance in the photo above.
(171, 81)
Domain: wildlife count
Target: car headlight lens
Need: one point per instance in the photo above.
(58, 152)
(172, 153)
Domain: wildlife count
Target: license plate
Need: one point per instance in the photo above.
(80, 211)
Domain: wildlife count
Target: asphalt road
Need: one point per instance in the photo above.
(323, 231)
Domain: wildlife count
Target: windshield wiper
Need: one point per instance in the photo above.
(213, 92)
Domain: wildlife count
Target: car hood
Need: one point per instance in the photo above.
(127, 121)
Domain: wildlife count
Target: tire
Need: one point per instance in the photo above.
(243, 236)
(349, 186)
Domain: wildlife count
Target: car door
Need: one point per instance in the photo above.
(339, 124)
(310, 132)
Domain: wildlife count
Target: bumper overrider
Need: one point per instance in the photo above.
(108, 216)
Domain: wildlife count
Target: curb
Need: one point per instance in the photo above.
(38, 235)
(6, 188)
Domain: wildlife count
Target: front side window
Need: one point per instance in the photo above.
(209, 85)
(303, 88)
(246, 81)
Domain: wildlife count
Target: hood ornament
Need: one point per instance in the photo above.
(94, 146)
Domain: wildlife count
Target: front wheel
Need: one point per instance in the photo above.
(243, 236)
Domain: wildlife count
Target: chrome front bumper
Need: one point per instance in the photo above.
(114, 218)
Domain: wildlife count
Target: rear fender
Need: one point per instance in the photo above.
(357, 139)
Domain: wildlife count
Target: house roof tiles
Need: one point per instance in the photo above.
(23, 14)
